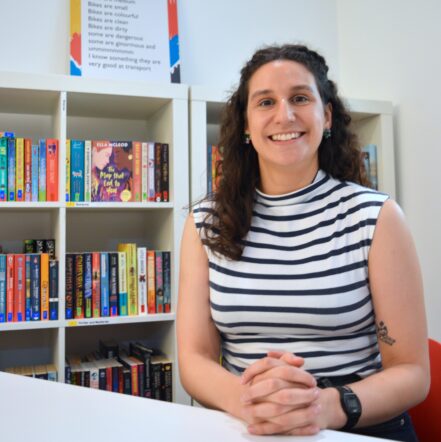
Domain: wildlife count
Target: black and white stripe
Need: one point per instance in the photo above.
(302, 283)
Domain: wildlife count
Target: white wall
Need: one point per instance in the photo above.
(389, 50)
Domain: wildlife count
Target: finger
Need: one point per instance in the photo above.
(304, 431)
(258, 367)
(301, 378)
(264, 411)
(288, 357)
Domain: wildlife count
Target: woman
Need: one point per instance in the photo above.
(306, 282)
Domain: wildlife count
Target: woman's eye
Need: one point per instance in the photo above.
(300, 99)
(266, 102)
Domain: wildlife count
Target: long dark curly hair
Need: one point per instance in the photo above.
(233, 201)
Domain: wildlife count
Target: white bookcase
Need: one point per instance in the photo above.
(372, 120)
(49, 106)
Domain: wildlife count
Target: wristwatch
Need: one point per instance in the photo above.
(351, 406)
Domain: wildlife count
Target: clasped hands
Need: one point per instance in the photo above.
(280, 397)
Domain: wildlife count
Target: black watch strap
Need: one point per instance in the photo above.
(351, 406)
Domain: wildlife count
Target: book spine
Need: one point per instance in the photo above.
(67, 194)
(28, 169)
(166, 263)
(165, 172)
(49, 247)
(122, 284)
(137, 171)
(159, 283)
(158, 173)
(11, 169)
(87, 170)
(144, 172)
(28, 308)
(52, 169)
(10, 287)
(167, 381)
(156, 375)
(34, 173)
(44, 284)
(2, 288)
(77, 170)
(105, 284)
(20, 287)
(142, 280)
(132, 279)
(144, 355)
(113, 283)
(87, 279)
(96, 285)
(53, 290)
(19, 169)
(209, 174)
(35, 287)
(42, 171)
(151, 171)
(69, 307)
(3, 169)
(151, 297)
(79, 285)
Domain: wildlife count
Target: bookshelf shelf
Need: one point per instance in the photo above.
(56, 106)
(372, 121)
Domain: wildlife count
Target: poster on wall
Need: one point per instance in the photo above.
(125, 39)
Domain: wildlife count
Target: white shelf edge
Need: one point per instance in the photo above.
(103, 205)
(30, 325)
(30, 205)
(158, 317)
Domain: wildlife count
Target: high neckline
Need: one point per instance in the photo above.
(296, 197)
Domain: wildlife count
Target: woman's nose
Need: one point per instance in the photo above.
(285, 111)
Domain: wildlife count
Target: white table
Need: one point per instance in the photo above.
(34, 410)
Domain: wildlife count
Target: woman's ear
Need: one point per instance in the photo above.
(328, 116)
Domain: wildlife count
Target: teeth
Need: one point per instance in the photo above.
(286, 137)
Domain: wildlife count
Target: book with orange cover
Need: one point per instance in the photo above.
(51, 169)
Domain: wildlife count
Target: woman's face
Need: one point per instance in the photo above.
(101, 157)
(285, 116)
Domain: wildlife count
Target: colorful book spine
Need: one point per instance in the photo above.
(142, 280)
(209, 174)
(105, 294)
(87, 281)
(151, 171)
(122, 284)
(67, 190)
(19, 169)
(77, 170)
(166, 264)
(144, 171)
(44, 284)
(11, 169)
(165, 173)
(3, 169)
(20, 287)
(35, 287)
(28, 169)
(87, 170)
(52, 169)
(34, 172)
(10, 278)
(69, 288)
(42, 171)
(158, 172)
(113, 283)
(96, 285)
(137, 170)
(151, 296)
(28, 308)
(159, 282)
(2, 288)
(79, 285)
(53, 290)
(132, 279)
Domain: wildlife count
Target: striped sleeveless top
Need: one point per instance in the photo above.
(301, 284)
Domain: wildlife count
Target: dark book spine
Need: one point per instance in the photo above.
(49, 247)
(158, 172)
(156, 375)
(166, 259)
(87, 284)
(67, 374)
(165, 172)
(78, 285)
(39, 246)
(102, 378)
(127, 382)
(159, 283)
(115, 378)
(113, 283)
(69, 285)
(167, 378)
(35, 287)
(145, 356)
(29, 246)
(53, 290)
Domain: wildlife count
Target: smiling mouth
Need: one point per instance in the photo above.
(286, 136)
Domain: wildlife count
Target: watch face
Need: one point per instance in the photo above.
(352, 403)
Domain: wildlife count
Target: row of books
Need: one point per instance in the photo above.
(28, 170)
(117, 171)
(41, 371)
(138, 370)
(28, 287)
(131, 281)
(213, 168)
(369, 152)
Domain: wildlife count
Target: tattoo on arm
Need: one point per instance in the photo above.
(383, 334)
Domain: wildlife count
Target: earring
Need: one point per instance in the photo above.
(327, 134)
(246, 138)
